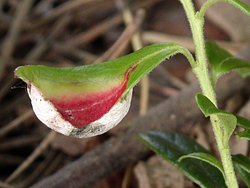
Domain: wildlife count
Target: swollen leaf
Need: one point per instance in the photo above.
(223, 62)
(206, 157)
(171, 146)
(89, 100)
(242, 165)
(228, 120)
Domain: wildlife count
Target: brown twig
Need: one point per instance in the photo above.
(15, 123)
(8, 81)
(43, 44)
(56, 162)
(43, 145)
(7, 159)
(164, 91)
(65, 8)
(83, 56)
(49, 159)
(156, 37)
(92, 33)
(112, 156)
(115, 50)
(19, 142)
(11, 39)
(5, 185)
(176, 82)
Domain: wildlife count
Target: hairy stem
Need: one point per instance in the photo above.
(205, 6)
(196, 21)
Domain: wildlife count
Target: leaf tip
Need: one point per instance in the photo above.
(23, 73)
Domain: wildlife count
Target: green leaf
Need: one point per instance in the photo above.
(240, 5)
(242, 164)
(206, 157)
(244, 134)
(94, 77)
(216, 54)
(223, 62)
(171, 146)
(243, 174)
(244, 123)
(230, 64)
(243, 161)
(228, 120)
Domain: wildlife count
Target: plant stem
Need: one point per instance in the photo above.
(205, 6)
(196, 23)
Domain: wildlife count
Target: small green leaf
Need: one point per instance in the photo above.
(223, 62)
(242, 165)
(244, 134)
(216, 54)
(231, 63)
(228, 120)
(171, 146)
(243, 161)
(244, 123)
(243, 174)
(240, 5)
(206, 157)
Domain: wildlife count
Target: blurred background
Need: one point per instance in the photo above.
(80, 32)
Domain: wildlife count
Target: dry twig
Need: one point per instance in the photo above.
(43, 145)
(15, 123)
(11, 39)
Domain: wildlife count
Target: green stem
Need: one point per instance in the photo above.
(196, 23)
(205, 6)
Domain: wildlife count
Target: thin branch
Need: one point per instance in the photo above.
(15, 123)
(65, 8)
(43, 145)
(42, 46)
(10, 41)
(87, 36)
(156, 37)
(115, 50)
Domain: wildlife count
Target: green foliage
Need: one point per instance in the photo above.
(223, 62)
(172, 146)
(206, 157)
(245, 176)
(240, 5)
(244, 123)
(242, 165)
(244, 134)
(228, 120)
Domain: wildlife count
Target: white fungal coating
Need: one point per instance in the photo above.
(47, 113)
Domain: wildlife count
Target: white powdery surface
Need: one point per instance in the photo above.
(48, 114)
